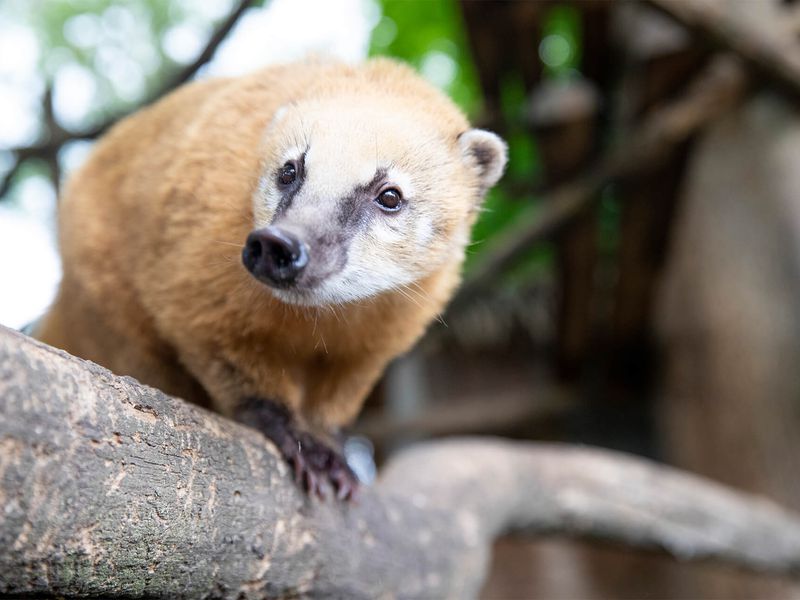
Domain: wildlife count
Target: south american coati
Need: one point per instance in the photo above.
(265, 245)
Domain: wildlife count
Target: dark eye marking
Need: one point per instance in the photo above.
(390, 200)
(287, 174)
(289, 179)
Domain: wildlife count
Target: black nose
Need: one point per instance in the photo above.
(274, 255)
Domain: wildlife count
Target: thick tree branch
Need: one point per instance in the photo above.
(719, 87)
(57, 137)
(111, 488)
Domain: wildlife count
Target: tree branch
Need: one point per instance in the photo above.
(720, 86)
(8, 177)
(111, 488)
(773, 53)
(183, 75)
(219, 35)
(58, 137)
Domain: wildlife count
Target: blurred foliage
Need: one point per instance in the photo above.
(431, 37)
(560, 48)
(116, 53)
(121, 45)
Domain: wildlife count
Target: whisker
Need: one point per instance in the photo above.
(407, 296)
(332, 310)
(424, 295)
(419, 291)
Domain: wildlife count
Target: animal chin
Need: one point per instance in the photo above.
(323, 293)
(298, 296)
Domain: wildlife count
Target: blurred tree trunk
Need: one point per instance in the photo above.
(730, 319)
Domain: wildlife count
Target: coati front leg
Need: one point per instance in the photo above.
(316, 465)
(274, 407)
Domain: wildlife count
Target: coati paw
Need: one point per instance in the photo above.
(318, 468)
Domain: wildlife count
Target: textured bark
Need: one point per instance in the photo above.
(111, 488)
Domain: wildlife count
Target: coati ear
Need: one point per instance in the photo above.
(485, 153)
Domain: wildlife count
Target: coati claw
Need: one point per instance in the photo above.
(317, 467)
(344, 482)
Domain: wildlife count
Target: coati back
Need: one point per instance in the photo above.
(265, 245)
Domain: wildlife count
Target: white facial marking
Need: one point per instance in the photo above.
(424, 231)
(385, 233)
(279, 115)
(401, 180)
(331, 178)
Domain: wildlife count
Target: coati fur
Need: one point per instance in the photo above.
(265, 245)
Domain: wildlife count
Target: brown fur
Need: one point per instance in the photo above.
(151, 232)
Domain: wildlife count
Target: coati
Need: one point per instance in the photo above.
(264, 245)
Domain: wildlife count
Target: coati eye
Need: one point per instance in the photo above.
(287, 173)
(390, 200)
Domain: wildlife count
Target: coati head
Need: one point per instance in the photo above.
(362, 192)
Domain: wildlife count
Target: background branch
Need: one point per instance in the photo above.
(111, 488)
(772, 49)
(57, 136)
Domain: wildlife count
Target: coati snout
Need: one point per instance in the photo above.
(275, 256)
